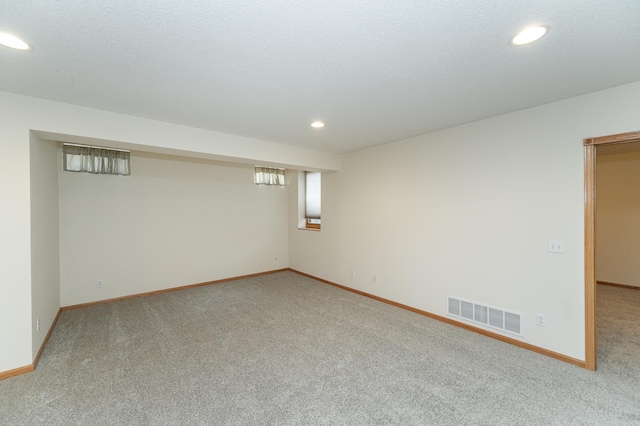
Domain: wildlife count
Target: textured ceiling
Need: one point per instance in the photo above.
(375, 71)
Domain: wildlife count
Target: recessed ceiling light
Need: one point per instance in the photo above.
(317, 124)
(529, 35)
(13, 42)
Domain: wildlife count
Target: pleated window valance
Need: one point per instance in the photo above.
(269, 176)
(93, 159)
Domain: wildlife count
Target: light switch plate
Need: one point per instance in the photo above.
(556, 246)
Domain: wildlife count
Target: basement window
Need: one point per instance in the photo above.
(309, 195)
(269, 176)
(96, 159)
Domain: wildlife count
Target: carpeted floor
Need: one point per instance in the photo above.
(283, 349)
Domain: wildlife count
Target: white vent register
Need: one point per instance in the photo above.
(486, 315)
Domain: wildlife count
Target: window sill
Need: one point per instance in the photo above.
(309, 229)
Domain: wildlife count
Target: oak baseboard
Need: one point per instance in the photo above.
(468, 327)
(46, 339)
(631, 287)
(31, 367)
(17, 371)
(168, 290)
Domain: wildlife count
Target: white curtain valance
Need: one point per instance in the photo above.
(92, 159)
(269, 176)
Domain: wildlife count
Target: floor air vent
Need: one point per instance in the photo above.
(492, 317)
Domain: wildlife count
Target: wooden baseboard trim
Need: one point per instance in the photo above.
(168, 290)
(17, 371)
(31, 367)
(46, 339)
(631, 287)
(468, 327)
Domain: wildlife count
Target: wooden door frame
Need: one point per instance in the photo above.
(590, 145)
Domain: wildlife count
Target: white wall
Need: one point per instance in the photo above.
(45, 243)
(21, 116)
(468, 212)
(173, 222)
(15, 240)
(618, 219)
(490, 195)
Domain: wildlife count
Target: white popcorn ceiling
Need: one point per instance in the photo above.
(375, 71)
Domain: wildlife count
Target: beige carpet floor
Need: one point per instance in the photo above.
(282, 349)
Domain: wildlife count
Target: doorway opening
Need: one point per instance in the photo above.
(590, 147)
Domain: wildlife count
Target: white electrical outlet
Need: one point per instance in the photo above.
(375, 278)
(353, 273)
(540, 321)
(100, 283)
(275, 258)
(38, 324)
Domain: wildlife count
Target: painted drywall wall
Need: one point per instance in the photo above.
(45, 243)
(618, 219)
(468, 212)
(15, 241)
(173, 222)
(21, 116)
